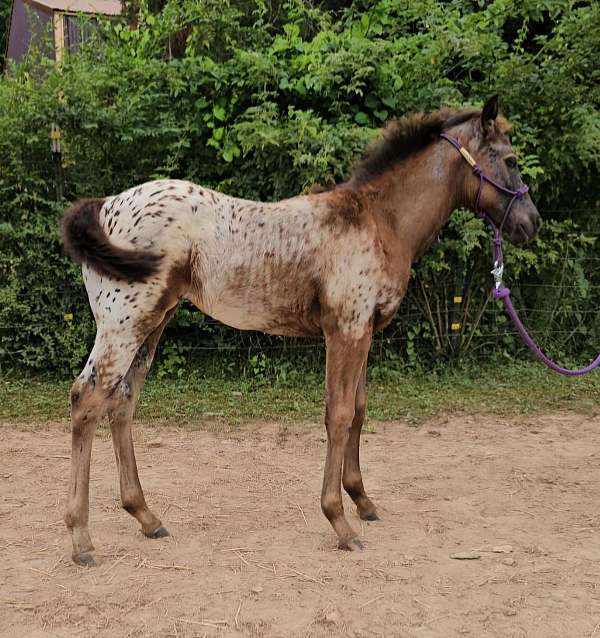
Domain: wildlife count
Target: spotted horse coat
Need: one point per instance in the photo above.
(335, 263)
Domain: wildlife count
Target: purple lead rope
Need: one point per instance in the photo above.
(503, 293)
(500, 291)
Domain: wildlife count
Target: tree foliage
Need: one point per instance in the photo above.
(261, 99)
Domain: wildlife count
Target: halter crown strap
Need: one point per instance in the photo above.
(518, 194)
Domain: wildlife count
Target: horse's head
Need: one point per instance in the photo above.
(486, 140)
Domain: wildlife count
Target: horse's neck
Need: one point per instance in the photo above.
(416, 200)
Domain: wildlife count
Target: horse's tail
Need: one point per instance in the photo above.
(85, 241)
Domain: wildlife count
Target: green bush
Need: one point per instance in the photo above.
(261, 100)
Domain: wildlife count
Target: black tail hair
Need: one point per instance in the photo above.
(85, 241)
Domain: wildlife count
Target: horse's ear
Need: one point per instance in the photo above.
(489, 114)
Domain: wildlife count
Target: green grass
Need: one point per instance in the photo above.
(508, 389)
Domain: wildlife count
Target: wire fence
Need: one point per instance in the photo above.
(558, 324)
(206, 336)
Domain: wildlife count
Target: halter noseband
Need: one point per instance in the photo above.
(477, 170)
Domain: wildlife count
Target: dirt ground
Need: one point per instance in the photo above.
(251, 554)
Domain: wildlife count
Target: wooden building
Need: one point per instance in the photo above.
(53, 24)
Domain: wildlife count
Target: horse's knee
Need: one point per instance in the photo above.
(338, 420)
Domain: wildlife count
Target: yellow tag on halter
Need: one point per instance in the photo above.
(457, 299)
(467, 156)
(68, 316)
(455, 327)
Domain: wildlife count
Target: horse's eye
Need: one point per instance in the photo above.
(511, 162)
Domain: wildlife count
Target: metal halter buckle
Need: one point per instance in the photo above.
(498, 271)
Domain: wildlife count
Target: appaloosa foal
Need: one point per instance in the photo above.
(334, 264)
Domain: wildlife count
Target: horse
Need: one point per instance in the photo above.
(334, 263)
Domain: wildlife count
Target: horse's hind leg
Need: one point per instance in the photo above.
(90, 400)
(87, 407)
(120, 414)
(352, 476)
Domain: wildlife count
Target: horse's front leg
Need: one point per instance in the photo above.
(352, 476)
(346, 356)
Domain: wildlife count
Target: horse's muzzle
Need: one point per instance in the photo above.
(524, 230)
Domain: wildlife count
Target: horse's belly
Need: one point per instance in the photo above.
(237, 316)
(265, 293)
(294, 317)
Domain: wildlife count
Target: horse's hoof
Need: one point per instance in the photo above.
(370, 515)
(159, 532)
(85, 559)
(353, 545)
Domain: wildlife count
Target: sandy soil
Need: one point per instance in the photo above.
(251, 555)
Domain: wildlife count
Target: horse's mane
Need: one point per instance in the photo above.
(409, 134)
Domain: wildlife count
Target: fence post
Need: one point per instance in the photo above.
(455, 314)
(57, 161)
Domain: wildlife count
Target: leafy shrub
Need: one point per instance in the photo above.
(261, 100)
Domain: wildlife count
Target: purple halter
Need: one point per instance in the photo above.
(500, 291)
(477, 170)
